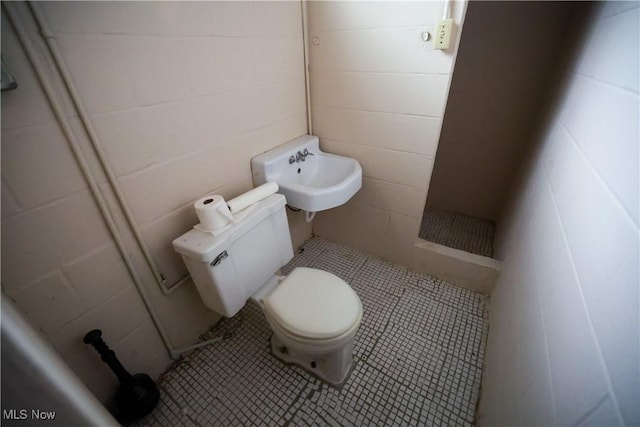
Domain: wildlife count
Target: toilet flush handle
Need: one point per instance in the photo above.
(217, 260)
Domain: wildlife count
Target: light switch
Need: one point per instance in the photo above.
(442, 36)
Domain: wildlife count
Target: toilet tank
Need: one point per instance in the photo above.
(230, 267)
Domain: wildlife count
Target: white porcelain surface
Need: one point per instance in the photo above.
(322, 181)
(255, 247)
(305, 304)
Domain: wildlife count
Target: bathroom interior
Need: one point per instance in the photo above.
(493, 243)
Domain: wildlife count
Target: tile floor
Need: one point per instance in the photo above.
(458, 231)
(417, 359)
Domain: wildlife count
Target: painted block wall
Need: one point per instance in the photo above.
(501, 77)
(182, 95)
(563, 345)
(378, 93)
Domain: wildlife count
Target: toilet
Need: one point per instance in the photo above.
(314, 315)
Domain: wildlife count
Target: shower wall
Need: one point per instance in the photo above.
(504, 67)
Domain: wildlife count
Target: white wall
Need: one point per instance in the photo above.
(563, 344)
(182, 95)
(378, 94)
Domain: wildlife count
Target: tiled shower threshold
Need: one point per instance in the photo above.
(417, 359)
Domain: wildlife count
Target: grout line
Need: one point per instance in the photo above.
(49, 204)
(189, 205)
(164, 103)
(583, 421)
(599, 177)
(608, 85)
(389, 113)
(177, 36)
(380, 73)
(374, 147)
(197, 153)
(583, 301)
(549, 378)
(412, 28)
(365, 110)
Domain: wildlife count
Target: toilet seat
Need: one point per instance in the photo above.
(314, 308)
(313, 346)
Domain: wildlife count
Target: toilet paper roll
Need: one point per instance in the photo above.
(250, 197)
(212, 212)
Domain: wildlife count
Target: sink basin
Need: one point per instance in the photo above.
(315, 182)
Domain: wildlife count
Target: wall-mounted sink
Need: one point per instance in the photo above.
(310, 179)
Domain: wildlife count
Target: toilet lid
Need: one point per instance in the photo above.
(314, 304)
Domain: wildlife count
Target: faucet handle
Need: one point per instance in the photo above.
(300, 156)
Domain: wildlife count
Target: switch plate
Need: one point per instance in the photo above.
(442, 36)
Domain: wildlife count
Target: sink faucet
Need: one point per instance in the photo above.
(300, 156)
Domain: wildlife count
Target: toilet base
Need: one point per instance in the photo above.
(333, 367)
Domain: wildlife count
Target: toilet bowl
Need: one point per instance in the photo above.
(314, 315)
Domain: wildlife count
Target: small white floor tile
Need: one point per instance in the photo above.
(417, 358)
